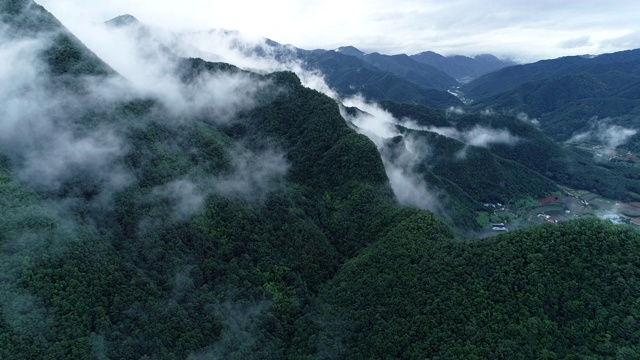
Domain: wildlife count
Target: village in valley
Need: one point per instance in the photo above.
(566, 204)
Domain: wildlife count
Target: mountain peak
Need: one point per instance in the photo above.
(15, 6)
(123, 20)
(350, 50)
(26, 18)
(461, 67)
(428, 53)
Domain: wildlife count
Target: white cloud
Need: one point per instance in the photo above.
(253, 175)
(185, 197)
(143, 56)
(611, 136)
(477, 136)
(410, 189)
(578, 42)
(456, 110)
(524, 117)
(35, 129)
(375, 122)
(483, 137)
(527, 30)
(615, 135)
(409, 186)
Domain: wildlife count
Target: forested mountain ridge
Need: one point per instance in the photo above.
(351, 75)
(404, 66)
(511, 77)
(558, 291)
(377, 77)
(505, 138)
(463, 68)
(569, 96)
(190, 224)
(237, 215)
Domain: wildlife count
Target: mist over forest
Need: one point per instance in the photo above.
(212, 195)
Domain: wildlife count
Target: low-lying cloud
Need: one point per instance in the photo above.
(42, 130)
(401, 164)
(522, 116)
(455, 110)
(610, 136)
(253, 175)
(480, 136)
(615, 135)
(185, 197)
(149, 58)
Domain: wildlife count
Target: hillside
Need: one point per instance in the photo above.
(351, 75)
(218, 213)
(557, 291)
(511, 77)
(403, 66)
(154, 231)
(510, 138)
(396, 78)
(462, 68)
(569, 96)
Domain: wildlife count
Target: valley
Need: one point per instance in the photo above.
(565, 205)
(211, 195)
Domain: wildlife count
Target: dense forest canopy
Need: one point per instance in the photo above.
(237, 215)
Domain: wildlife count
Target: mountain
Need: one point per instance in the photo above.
(537, 293)
(348, 75)
(13, 13)
(139, 226)
(463, 68)
(510, 138)
(512, 77)
(403, 66)
(350, 50)
(352, 75)
(65, 55)
(420, 74)
(569, 96)
(215, 212)
(124, 20)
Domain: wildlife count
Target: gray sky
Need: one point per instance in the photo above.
(526, 30)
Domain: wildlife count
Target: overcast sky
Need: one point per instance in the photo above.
(526, 30)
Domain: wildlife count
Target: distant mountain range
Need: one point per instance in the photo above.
(568, 96)
(205, 211)
(511, 90)
(463, 68)
(419, 79)
(352, 75)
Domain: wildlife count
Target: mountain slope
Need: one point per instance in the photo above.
(26, 18)
(515, 139)
(403, 66)
(351, 75)
(236, 215)
(141, 228)
(545, 292)
(593, 99)
(512, 77)
(65, 54)
(462, 68)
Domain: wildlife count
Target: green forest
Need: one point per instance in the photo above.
(271, 231)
